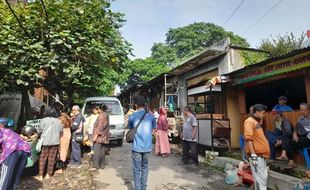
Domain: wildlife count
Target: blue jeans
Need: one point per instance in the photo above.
(140, 166)
(272, 137)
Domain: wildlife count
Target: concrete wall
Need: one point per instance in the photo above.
(232, 62)
(194, 73)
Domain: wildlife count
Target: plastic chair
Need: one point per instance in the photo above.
(305, 153)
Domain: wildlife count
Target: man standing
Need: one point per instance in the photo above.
(257, 146)
(189, 137)
(282, 105)
(77, 129)
(142, 145)
(301, 135)
(101, 137)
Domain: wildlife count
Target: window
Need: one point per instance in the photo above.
(114, 108)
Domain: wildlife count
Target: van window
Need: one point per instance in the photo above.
(114, 108)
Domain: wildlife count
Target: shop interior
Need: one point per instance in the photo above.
(268, 93)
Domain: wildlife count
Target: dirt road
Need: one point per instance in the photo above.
(165, 173)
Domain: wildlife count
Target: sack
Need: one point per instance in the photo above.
(79, 137)
(39, 144)
(130, 135)
(31, 160)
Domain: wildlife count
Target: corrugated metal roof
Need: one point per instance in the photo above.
(273, 59)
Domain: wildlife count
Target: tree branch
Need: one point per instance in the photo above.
(20, 24)
(44, 8)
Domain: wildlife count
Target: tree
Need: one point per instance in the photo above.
(181, 43)
(77, 42)
(142, 70)
(282, 44)
(184, 42)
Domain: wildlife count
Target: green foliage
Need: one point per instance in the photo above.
(250, 57)
(282, 44)
(184, 42)
(142, 70)
(78, 43)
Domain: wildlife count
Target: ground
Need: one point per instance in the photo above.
(164, 174)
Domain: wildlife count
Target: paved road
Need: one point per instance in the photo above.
(164, 174)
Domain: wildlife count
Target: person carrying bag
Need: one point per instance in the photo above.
(130, 135)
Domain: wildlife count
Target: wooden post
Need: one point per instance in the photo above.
(307, 86)
(242, 101)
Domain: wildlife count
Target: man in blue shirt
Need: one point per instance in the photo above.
(282, 107)
(142, 145)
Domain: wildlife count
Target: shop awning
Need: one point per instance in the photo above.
(203, 89)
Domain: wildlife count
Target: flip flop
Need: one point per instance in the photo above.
(281, 158)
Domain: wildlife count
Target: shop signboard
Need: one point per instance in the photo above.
(274, 68)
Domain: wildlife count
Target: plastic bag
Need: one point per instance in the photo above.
(232, 176)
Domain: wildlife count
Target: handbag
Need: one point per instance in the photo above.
(79, 136)
(130, 135)
(40, 141)
(58, 163)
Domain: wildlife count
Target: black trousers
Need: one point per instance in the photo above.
(302, 142)
(190, 151)
(99, 155)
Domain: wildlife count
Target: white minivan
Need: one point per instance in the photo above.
(116, 115)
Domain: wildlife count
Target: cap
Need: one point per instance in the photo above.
(259, 107)
(76, 107)
(282, 98)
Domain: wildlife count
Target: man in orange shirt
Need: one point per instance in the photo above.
(257, 147)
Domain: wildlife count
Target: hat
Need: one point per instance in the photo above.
(76, 107)
(259, 107)
(282, 98)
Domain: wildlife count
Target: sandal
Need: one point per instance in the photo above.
(281, 158)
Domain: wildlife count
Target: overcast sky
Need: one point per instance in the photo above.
(149, 20)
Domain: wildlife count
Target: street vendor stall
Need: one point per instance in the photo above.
(208, 103)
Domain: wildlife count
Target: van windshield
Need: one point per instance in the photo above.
(114, 108)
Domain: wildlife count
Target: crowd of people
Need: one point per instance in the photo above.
(261, 143)
(60, 137)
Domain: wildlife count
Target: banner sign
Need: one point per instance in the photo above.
(35, 123)
(274, 68)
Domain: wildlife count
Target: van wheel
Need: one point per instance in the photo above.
(120, 142)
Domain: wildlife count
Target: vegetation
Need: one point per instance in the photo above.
(181, 43)
(280, 45)
(76, 42)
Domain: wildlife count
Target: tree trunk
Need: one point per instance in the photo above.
(26, 112)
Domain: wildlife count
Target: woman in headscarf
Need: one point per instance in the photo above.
(162, 141)
(65, 138)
